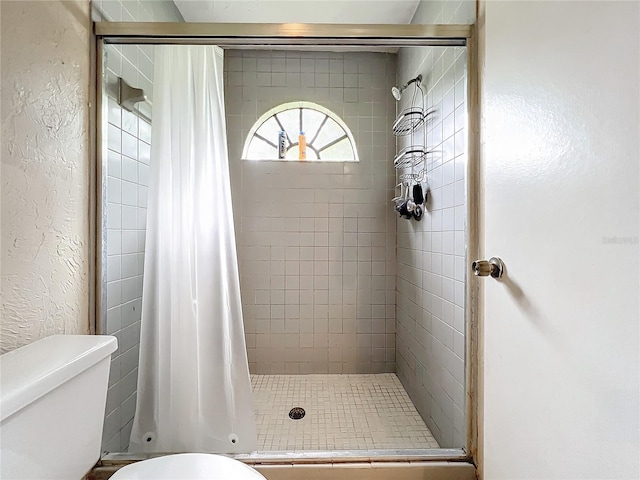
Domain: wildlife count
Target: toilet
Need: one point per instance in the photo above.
(52, 400)
(192, 466)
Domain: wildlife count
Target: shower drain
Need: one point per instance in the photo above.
(296, 413)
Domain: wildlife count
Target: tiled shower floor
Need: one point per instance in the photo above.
(343, 412)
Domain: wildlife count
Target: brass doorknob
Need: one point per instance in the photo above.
(484, 268)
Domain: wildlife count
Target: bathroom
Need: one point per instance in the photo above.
(332, 281)
(526, 171)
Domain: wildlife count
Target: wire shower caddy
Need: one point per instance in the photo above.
(410, 162)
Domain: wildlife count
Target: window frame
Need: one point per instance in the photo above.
(301, 104)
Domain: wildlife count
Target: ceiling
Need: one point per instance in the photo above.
(298, 11)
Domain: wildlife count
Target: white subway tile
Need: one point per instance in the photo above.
(129, 169)
(114, 190)
(113, 268)
(145, 66)
(129, 72)
(129, 145)
(113, 164)
(114, 115)
(142, 218)
(114, 293)
(114, 322)
(129, 241)
(114, 140)
(114, 216)
(129, 265)
(114, 242)
(129, 193)
(144, 131)
(129, 217)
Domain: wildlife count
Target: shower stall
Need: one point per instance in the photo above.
(355, 312)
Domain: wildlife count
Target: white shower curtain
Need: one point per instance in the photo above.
(194, 390)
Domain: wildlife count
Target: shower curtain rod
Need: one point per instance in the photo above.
(282, 34)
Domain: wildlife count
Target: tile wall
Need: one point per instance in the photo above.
(431, 253)
(127, 169)
(316, 241)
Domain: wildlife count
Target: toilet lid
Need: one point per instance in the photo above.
(188, 466)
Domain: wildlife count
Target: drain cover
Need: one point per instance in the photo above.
(296, 413)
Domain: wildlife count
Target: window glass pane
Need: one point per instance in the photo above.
(292, 153)
(311, 120)
(311, 154)
(270, 130)
(329, 132)
(261, 150)
(290, 120)
(341, 151)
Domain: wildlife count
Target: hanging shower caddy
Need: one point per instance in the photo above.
(410, 162)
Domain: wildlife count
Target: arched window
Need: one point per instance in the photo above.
(328, 139)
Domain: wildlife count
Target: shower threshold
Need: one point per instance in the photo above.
(315, 457)
(431, 464)
(354, 456)
(349, 418)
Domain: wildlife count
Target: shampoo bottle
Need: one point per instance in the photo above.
(302, 147)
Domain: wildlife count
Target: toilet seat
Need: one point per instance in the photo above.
(188, 466)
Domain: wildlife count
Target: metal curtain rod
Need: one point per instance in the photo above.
(283, 34)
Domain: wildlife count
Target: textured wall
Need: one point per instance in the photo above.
(45, 170)
(316, 241)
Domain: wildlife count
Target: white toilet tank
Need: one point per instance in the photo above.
(52, 401)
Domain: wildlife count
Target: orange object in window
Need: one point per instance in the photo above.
(302, 147)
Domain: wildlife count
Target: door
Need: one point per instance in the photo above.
(560, 156)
